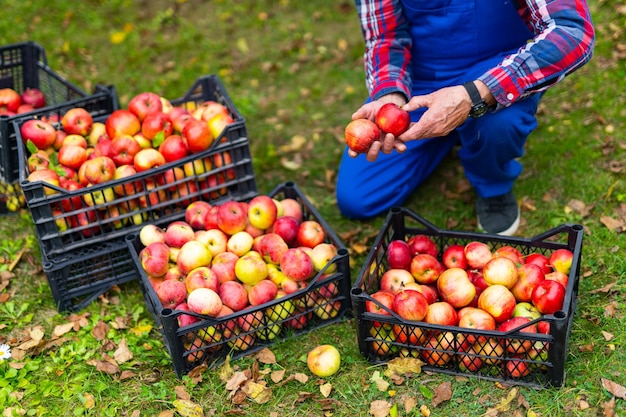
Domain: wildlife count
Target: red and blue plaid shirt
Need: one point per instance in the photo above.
(563, 41)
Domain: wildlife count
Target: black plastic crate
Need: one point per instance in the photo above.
(65, 221)
(23, 66)
(544, 366)
(326, 300)
(81, 276)
(12, 199)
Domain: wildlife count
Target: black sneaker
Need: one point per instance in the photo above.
(498, 215)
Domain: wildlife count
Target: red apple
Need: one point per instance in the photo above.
(122, 122)
(125, 186)
(517, 345)
(498, 301)
(360, 134)
(197, 135)
(156, 123)
(291, 207)
(548, 296)
(310, 233)
(272, 247)
(48, 176)
(324, 360)
(455, 287)
(425, 268)
(528, 276)
(233, 295)
(439, 349)
(154, 258)
(561, 260)
(223, 264)
(423, 244)
(558, 276)
(42, 134)
(454, 256)
(262, 292)
(204, 301)
(33, 96)
(177, 233)
(262, 212)
(148, 158)
(477, 254)
(442, 312)
(297, 264)
(195, 213)
(394, 280)
(381, 303)
(144, 103)
(500, 270)
(97, 170)
(9, 100)
(476, 318)
(398, 255)
(72, 156)
(185, 319)
(410, 305)
(77, 121)
(123, 149)
(539, 259)
(173, 148)
(287, 228)
(510, 252)
(201, 277)
(391, 118)
(172, 293)
(517, 368)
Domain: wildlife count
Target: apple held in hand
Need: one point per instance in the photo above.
(391, 118)
(360, 134)
(324, 360)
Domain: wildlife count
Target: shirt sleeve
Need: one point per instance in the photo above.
(387, 47)
(563, 41)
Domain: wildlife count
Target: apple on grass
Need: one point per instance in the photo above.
(359, 135)
(391, 118)
(324, 360)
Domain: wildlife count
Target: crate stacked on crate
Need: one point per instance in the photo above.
(319, 299)
(531, 352)
(82, 228)
(24, 66)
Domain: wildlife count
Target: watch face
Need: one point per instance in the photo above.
(479, 110)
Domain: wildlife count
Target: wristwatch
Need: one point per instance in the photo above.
(479, 106)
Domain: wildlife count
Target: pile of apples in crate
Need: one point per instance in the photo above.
(13, 103)
(229, 257)
(77, 152)
(471, 286)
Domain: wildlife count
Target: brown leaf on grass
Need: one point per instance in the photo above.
(587, 348)
(300, 377)
(580, 207)
(505, 403)
(615, 225)
(379, 381)
(443, 392)
(100, 330)
(181, 392)
(380, 408)
(259, 393)
(607, 336)
(615, 389)
(123, 353)
(188, 408)
(404, 365)
(61, 329)
(265, 356)
(303, 396)
(409, 404)
(79, 320)
(127, 375)
(527, 204)
(277, 376)
(609, 407)
(236, 380)
(326, 389)
(610, 309)
(604, 289)
(105, 366)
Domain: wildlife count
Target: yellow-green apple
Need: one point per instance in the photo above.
(269, 332)
(500, 270)
(287, 228)
(197, 167)
(185, 319)
(215, 239)
(98, 131)
(192, 255)
(277, 276)
(173, 148)
(41, 133)
(381, 303)
(239, 243)
(114, 215)
(171, 293)
(38, 160)
(204, 301)
(148, 158)
(548, 296)
(498, 301)
(97, 170)
(218, 123)
(74, 139)
(477, 319)
(391, 118)
(144, 142)
(425, 268)
(291, 207)
(177, 233)
(201, 277)
(233, 295)
(145, 103)
(223, 264)
(441, 312)
(454, 256)
(174, 272)
(77, 120)
(281, 311)
(310, 233)
(272, 247)
(382, 345)
(519, 324)
(439, 349)
(323, 360)
(528, 276)
(398, 254)
(423, 244)
(241, 341)
(99, 197)
(262, 211)
(410, 305)
(231, 217)
(156, 123)
(251, 268)
(297, 264)
(359, 135)
(394, 280)
(477, 254)
(322, 255)
(72, 156)
(558, 276)
(455, 287)
(327, 310)
(33, 96)
(280, 212)
(122, 122)
(196, 135)
(561, 260)
(208, 109)
(540, 259)
(124, 148)
(510, 252)
(262, 292)
(126, 186)
(526, 309)
(154, 258)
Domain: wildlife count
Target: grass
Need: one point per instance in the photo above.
(294, 69)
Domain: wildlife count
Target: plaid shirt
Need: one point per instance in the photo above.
(563, 41)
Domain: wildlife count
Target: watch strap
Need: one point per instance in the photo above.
(473, 93)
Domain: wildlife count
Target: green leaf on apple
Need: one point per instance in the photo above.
(32, 148)
(158, 139)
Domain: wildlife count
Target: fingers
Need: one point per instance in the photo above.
(388, 143)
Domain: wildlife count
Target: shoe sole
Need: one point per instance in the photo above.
(508, 232)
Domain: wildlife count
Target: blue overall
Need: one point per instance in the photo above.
(454, 41)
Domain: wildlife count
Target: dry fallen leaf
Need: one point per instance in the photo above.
(277, 376)
(380, 408)
(443, 392)
(380, 382)
(505, 403)
(259, 393)
(62, 329)
(405, 365)
(326, 389)
(123, 354)
(265, 356)
(615, 389)
(181, 392)
(188, 408)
